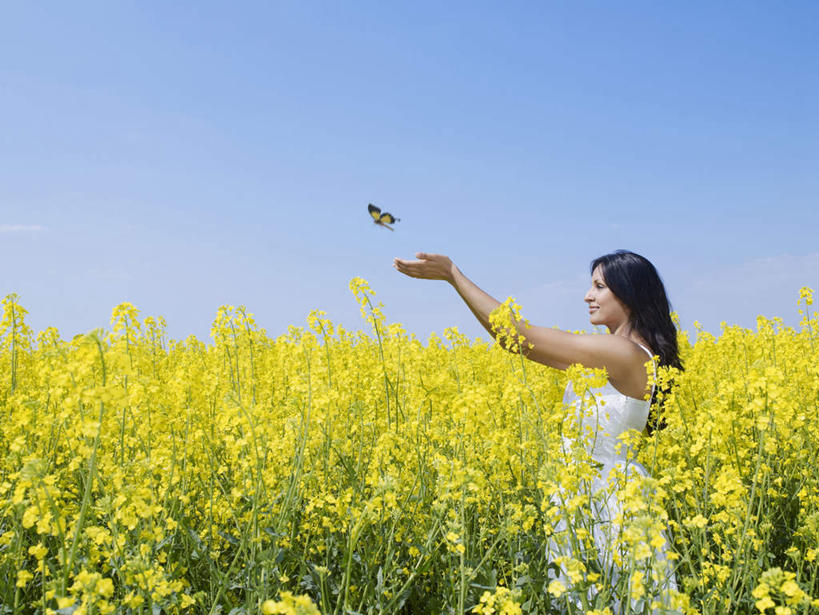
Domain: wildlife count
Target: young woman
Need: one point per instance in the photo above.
(626, 296)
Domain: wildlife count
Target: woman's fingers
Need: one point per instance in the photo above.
(429, 256)
(428, 267)
(405, 263)
(409, 268)
(415, 269)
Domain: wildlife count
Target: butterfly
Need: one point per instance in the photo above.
(380, 219)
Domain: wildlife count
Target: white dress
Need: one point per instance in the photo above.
(615, 526)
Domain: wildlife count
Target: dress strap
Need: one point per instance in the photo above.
(653, 365)
(648, 352)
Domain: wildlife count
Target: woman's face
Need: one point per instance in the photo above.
(604, 307)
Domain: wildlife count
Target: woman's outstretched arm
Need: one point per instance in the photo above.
(440, 267)
(622, 358)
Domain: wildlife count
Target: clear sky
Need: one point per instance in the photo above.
(182, 156)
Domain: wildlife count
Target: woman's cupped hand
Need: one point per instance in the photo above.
(427, 267)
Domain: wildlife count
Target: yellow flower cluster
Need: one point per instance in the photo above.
(502, 601)
(336, 471)
(290, 605)
(780, 591)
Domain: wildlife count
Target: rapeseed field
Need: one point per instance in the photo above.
(368, 471)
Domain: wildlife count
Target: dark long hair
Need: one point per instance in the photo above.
(635, 282)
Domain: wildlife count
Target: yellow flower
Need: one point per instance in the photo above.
(503, 601)
(23, 577)
(697, 521)
(638, 589)
(290, 605)
(64, 602)
(134, 600)
(556, 588)
(574, 570)
(31, 516)
(105, 588)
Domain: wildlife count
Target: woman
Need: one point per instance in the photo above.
(626, 296)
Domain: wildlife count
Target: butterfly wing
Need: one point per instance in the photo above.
(375, 212)
(387, 218)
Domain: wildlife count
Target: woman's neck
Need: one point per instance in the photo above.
(626, 330)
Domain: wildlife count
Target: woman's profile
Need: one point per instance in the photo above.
(627, 296)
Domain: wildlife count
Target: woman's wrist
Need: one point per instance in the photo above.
(454, 274)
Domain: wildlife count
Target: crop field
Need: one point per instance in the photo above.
(338, 471)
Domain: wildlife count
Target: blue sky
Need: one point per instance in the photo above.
(184, 156)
